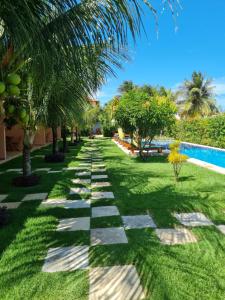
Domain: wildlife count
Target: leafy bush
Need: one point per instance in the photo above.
(208, 131)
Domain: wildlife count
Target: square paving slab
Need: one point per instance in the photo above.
(74, 224)
(139, 221)
(84, 168)
(79, 190)
(66, 203)
(193, 219)
(221, 228)
(81, 181)
(66, 259)
(98, 166)
(85, 173)
(104, 211)
(99, 176)
(38, 196)
(54, 171)
(3, 197)
(69, 169)
(10, 205)
(102, 195)
(106, 236)
(14, 170)
(115, 283)
(100, 184)
(98, 170)
(175, 236)
(85, 165)
(42, 170)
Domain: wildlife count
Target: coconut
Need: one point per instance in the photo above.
(13, 90)
(2, 87)
(13, 78)
(11, 109)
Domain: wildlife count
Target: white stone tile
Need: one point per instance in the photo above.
(69, 169)
(221, 228)
(14, 170)
(42, 170)
(66, 259)
(54, 171)
(85, 165)
(115, 283)
(79, 191)
(102, 195)
(104, 211)
(193, 219)
(106, 236)
(82, 168)
(74, 224)
(98, 166)
(98, 184)
(98, 170)
(175, 236)
(3, 197)
(99, 176)
(39, 156)
(10, 205)
(38, 196)
(66, 203)
(85, 173)
(81, 181)
(138, 221)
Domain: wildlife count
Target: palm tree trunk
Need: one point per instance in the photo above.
(27, 145)
(71, 137)
(64, 148)
(77, 136)
(54, 140)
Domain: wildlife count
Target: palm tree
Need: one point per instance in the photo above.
(126, 86)
(197, 97)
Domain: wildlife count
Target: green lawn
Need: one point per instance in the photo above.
(191, 271)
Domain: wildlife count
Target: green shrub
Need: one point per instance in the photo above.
(208, 131)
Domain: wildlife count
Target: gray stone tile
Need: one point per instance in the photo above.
(115, 283)
(139, 221)
(79, 191)
(98, 166)
(81, 181)
(74, 224)
(42, 170)
(66, 203)
(37, 196)
(99, 184)
(104, 211)
(175, 236)
(14, 170)
(221, 228)
(54, 171)
(83, 168)
(193, 219)
(66, 259)
(85, 165)
(106, 236)
(10, 205)
(3, 197)
(69, 169)
(102, 195)
(99, 176)
(98, 170)
(84, 173)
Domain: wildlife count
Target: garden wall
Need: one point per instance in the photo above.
(208, 131)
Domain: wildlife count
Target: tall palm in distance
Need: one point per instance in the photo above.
(197, 97)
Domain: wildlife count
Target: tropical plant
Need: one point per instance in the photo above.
(176, 159)
(143, 116)
(198, 99)
(107, 117)
(126, 86)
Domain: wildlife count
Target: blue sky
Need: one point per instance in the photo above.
(194, 41)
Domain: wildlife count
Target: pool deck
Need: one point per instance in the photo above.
(206, 165)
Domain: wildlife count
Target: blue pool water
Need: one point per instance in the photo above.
(212, 156)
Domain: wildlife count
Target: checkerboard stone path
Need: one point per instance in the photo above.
(111, 282)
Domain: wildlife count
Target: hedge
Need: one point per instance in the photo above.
(208, 131)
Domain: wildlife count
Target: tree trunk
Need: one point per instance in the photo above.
(27, 145)
(64, 139)
(71, 137)
(77, 136)
(54, 140)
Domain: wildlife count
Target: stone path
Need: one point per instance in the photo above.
(112, 282)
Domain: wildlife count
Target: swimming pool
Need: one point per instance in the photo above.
(210, 155)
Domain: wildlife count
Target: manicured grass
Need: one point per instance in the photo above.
(191, 271)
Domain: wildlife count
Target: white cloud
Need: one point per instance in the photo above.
(219, 86)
